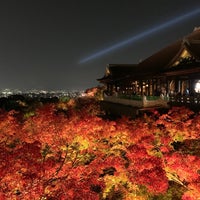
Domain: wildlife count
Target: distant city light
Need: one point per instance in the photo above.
(40, 93)
(142, 35)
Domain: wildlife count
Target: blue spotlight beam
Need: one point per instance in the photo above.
(141, 35)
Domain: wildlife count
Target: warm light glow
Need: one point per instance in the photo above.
(184, 54)
(107, 71)
(197, 87)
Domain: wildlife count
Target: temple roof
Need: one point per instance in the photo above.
(166, 60)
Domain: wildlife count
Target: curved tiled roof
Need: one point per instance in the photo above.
(163, 58)
(160, 59)
(118, 72)
(159, 62)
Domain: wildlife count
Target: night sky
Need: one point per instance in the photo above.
(42, 42)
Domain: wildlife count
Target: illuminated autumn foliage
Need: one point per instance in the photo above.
(65, 151)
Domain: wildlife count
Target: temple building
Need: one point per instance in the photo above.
(169, 77)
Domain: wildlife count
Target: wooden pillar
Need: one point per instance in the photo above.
(151, 87)
(141, 87)
(177, 86)
(191, 86)
(154, 86)
(147, 87)
(157, 86)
